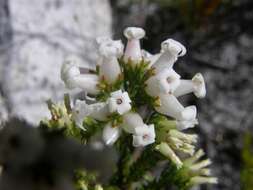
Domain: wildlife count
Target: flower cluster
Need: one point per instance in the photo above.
(135, 92)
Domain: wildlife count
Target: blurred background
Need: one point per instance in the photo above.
(36, 35)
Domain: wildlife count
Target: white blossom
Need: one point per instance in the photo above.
(71, 76)
(111, 134)
(80, 110)
(131, 120)
(69, 71)
(170, 51)
(133, 49)
(170, 106)
(164, 82)
(119, 102)
(186, 124)
(109, 51)
(196, 85)
(144, 135)
(97, 111)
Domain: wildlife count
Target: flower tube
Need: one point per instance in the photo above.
(196, 85)
(71, 76)
(133, 49)
(110, 51)
(170, 52)
(131, 120)
(170, 106)
(110, 134)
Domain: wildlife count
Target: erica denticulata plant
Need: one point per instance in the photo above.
(131, 99)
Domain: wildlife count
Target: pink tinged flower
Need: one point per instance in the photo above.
(119, 102)
(109, 51)
(170, 106)
(131, 120)
(72, 77)
(110, 134)
(170, 51)
(133, 49)
(196, 85)
(144, 135)
(164, 82)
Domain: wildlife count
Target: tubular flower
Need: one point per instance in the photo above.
(196, 85)
(110, 134)
(72, 77)
(170, 106)
(119, 102)
(186, 124)
(133, 49)
(97, 111)
(131, 120)
(164, 82)
(109, 51)
(170, 51)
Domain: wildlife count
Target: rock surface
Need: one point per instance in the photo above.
(44, 32)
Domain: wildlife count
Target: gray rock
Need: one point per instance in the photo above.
(44, 32)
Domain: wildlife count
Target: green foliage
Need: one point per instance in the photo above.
(135, 76)
(247, 157)
(84, 180)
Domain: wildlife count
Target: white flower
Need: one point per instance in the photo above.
(97, 111)
(109, 51)
(69, 71)
(110, 134)
(170, 106)
(186, 124)
(131, 120)
(71, 76)
(119, 102)
(133, 49)
(110, 48)
(171, 50)
(196, 85)
(164, 82)
(144, 135)
(80, 110)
